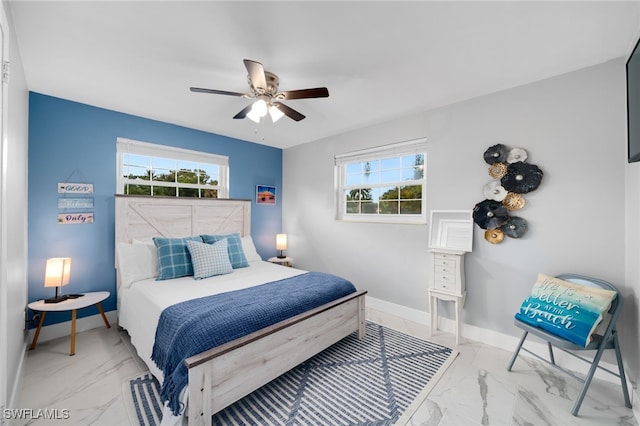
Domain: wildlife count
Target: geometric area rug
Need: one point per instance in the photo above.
(380, 380)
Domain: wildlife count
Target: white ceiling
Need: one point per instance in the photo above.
(379, 60)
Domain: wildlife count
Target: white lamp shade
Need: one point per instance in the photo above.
(275, 113)
(259, 108)
(281, 241)
(253, 116)
(58, 272)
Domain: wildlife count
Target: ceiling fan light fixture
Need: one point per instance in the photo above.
(263, 86)
(253, 116)
(275, 113)
(259, 107)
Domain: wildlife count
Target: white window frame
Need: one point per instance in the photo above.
(129, 146)
(412, 147)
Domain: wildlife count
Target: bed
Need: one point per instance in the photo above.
(221, 375)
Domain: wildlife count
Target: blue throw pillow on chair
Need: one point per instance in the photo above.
(565, 309)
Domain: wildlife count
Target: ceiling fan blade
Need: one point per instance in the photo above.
(288, 111)
(217, 92)
(318, 92)
(256, 74)
(243, 113)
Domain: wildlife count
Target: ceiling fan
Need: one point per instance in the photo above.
(264, 89)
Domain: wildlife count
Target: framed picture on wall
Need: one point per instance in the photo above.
(265, 194)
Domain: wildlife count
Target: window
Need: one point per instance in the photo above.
(385, 184)
(158, 170)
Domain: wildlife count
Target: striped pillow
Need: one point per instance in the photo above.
(209, 259)
(236, 253)
(173, 257)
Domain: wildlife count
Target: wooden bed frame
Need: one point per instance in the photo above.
(222, 375)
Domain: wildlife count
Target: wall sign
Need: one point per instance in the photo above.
(75, 218)
(75, 203)
(75, 188)
(79, 202)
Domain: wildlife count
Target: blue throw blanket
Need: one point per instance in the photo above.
(188, 328)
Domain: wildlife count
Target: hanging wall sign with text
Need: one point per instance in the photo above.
(75, 218)
(75, 188)
(75, 203)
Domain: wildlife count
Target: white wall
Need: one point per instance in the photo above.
(631, 318)
(13, 241)
(629, 334)
(573, 127)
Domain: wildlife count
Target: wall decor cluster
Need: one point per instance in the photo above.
(78, 201)
(512, 177)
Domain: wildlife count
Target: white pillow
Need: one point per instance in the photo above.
(249, 249)
(137, 261)
(209, 260)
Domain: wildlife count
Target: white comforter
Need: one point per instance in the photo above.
(142, 303)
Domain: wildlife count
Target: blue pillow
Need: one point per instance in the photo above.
(236, 254)
(173, 257)
(568, 310)
(209, 259)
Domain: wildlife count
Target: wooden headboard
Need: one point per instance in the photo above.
(141, 218)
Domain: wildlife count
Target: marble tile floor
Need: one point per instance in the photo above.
(476, 390)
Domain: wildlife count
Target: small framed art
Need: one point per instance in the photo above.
(265, 194)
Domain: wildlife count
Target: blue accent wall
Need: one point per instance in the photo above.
(74, 142)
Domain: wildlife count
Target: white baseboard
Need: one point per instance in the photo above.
(17, 385)
(63, 329)
(413, 319)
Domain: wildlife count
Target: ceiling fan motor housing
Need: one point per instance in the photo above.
(272, 85)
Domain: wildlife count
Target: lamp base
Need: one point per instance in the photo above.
(281, 256)
(56, 299)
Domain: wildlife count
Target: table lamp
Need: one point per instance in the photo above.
(281, 244)
(56, 275)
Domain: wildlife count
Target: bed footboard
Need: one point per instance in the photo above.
(223, 375)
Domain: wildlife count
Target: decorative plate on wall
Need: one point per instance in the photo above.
(496, 154)
(522, 177)
(494, 236)
(494, 191)
(489, 214)
(515, 227)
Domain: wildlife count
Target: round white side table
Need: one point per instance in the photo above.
(284, 261)
(88, 299)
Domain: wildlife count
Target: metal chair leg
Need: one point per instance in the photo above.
(515, 354)
(623, 378)
(587, 381)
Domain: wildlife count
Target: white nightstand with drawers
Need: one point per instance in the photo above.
(447, 284)
(450, 238)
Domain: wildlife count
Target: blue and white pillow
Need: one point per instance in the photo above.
(174, 259)
(236, 253)
(209, 259)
